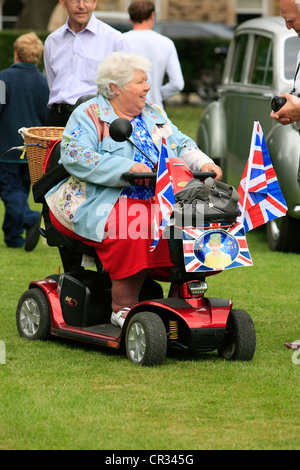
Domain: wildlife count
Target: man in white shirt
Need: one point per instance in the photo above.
(290, 112)
(72, 54)
(159, 49)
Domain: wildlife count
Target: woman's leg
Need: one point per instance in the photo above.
(125, 292)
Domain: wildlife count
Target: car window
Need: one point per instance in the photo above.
(239, 57)
(261, 71)
(291, 48)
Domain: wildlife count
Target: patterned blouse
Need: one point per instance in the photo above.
(142, 139)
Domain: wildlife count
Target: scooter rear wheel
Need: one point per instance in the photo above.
(146, 339)
(240, 338)
(33, 315)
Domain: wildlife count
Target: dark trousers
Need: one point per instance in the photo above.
(56, 119)
(14, 191)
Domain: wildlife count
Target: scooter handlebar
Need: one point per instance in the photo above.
(204, 174)
(152, 175)
(139, 175)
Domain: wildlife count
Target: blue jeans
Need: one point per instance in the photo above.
(14, 191)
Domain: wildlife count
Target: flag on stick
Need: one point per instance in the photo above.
(261, 199)
(164, 195)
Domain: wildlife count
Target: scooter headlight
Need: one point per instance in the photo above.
(197, 287)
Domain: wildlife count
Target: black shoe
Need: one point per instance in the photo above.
(32, 237)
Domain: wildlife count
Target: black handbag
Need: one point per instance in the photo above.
(208, 201)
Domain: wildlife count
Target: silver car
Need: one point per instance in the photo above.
(260, 64)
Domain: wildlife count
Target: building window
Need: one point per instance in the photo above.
(247, 9)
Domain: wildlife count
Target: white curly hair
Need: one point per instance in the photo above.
(119, 68)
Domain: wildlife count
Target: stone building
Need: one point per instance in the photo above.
(230, 12)
(223, 11)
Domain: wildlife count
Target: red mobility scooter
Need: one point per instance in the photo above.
(76, 304)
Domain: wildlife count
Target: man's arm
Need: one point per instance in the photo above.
(175, 78)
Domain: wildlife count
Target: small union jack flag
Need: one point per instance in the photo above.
(261, 199)
(78, 132)
(164, 196)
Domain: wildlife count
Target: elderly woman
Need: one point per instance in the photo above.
(96, 204)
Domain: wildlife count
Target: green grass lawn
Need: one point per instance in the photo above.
(66, 395)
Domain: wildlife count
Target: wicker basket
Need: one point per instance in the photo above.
(37, 140)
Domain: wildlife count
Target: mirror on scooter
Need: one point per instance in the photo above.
(120, 130)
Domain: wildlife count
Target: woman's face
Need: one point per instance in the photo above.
(131, 99)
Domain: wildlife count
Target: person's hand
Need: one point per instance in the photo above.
(213, 167)
(282, 120)
(290, 112)
(141, 168)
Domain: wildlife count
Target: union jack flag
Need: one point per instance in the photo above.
(261, 199)
(233, 248)
(164, 195)
(78, 132)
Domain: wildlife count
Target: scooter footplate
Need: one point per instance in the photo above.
(105, 334)
(106, 329)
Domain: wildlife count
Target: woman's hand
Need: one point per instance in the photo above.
(212, 167)
(141, 168)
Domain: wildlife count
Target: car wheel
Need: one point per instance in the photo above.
(146, 339)
(33, 315)
(240, 338)
(283, 234)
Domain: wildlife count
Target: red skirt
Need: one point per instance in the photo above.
(125, 249)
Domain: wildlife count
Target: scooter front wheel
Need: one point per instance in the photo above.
(33, 315)
(146, 339)
(240, 338)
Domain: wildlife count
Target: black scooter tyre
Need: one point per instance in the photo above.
(240, 338)
(33, 315)
(146, 339)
